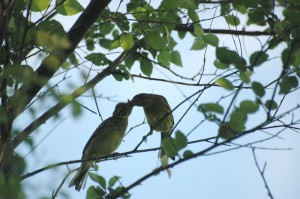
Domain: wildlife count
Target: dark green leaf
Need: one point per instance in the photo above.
(287, 83)
(164, 58)
(146, 67)
(170, 4)
(223, 82)
(225, 8)
(98, 179)
(95, 193)
(248, 106)
(154, 40)
(292, 15)
(106, 28)
(169, 146)
(232, 20)
(211, 107)
(187, 153)
(258, 89)
(211, 39)
(198, 44)
(181, 140)
(229, 57)
(176, 58)
(270, 104)
(237, 120)
(226, 132)
(258, 57)
(97, 58)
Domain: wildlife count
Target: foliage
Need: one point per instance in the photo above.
(148, 34)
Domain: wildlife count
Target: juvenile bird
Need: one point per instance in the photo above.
(158, 113)
(104, 141)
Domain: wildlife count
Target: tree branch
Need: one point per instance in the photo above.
(262, 174)
(48, 67)
(70, 98)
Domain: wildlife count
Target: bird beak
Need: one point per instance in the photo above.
(130, 102)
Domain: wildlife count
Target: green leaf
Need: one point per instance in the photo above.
(139, 13)
(164, 58)
(154, 40)
(76, 109)
(69, 7)
(98, 179)
(97, 58)
(229, 57)
(245, 75)
(146, 67)
(226, 132)
(257, 58)
(176, 58)
(271, 104)
(287, 83)
(258, 89)
(248, 106)
(39, 5)
(237, 120)
(292, 15)
(193, 15)
(198, 44)
(187, 153)
(112, 181)
(170, 4)
(225, 83)
(106, 28)
(297, 58)
(181, 140)
(211, 39)
(232, 20)
(211, 107)
(198, 31)
(220, 65)
(94, 192)
(127, 41)
(169, 146)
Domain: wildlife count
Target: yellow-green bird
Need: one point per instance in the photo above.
(104, 141)
(158, 113)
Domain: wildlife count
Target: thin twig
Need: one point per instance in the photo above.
(262, 173)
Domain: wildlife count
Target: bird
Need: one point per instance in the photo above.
(158, 114)
(104, 141)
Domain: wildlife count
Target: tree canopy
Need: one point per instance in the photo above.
(234, 64)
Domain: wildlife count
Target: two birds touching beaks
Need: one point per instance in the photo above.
(109, 134)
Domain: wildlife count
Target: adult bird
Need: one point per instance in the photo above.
(158, 114)
(104, 141)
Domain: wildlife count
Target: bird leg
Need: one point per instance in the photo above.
(144, 138)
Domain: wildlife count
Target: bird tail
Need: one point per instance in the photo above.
(80, 178)
(164, 135)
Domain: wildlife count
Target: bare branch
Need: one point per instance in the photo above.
(262, 174)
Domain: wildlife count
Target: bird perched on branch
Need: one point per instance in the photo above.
(158, 113)
(104, 141)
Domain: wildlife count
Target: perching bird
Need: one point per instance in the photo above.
(158, 113)
(104, 141)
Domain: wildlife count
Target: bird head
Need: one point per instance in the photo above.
(123, 109)
(140, 100)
